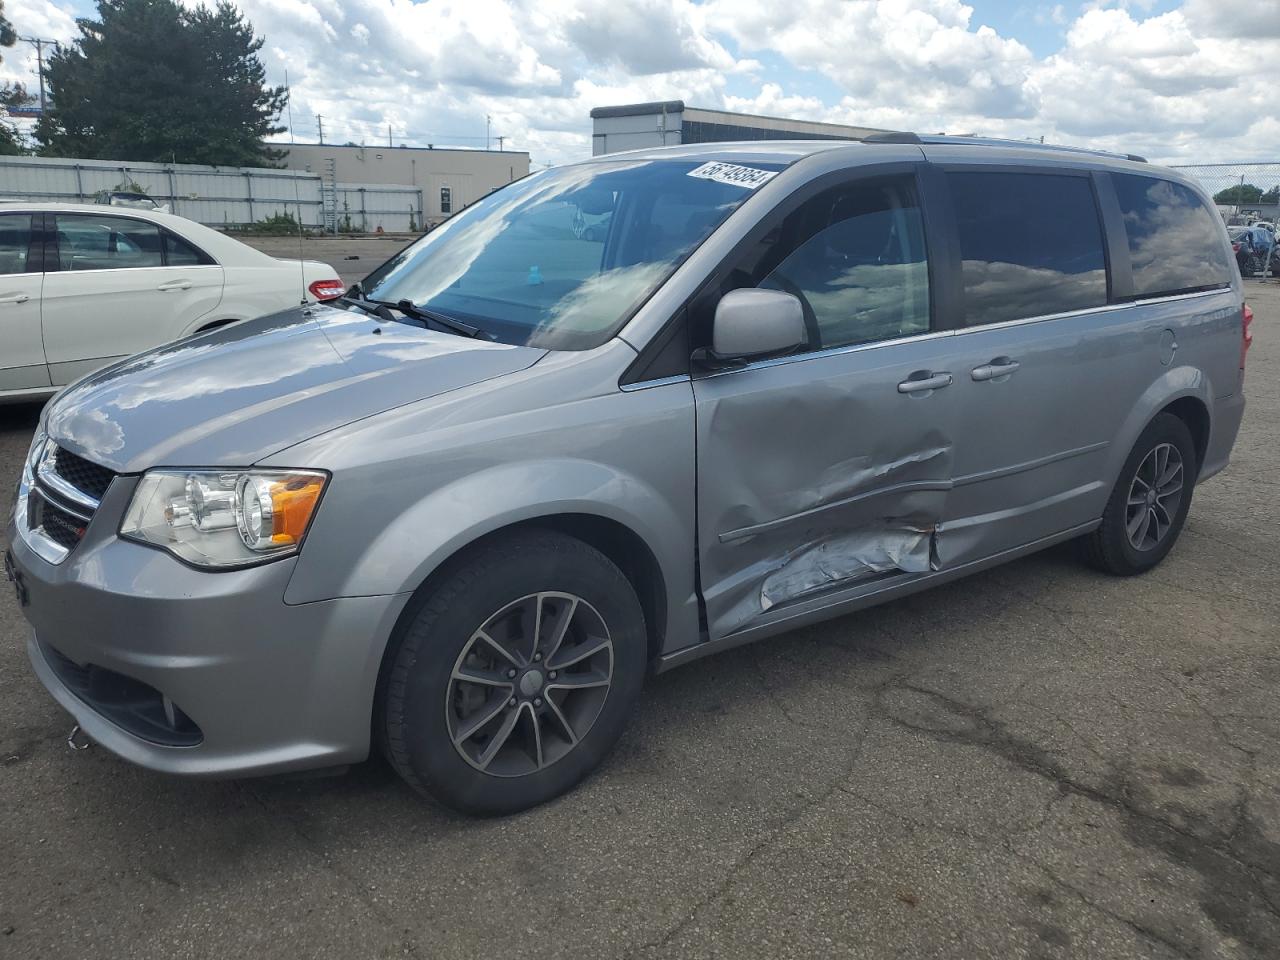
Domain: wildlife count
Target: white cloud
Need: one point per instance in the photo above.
(1186, 84)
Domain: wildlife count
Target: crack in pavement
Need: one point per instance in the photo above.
(1235, 868)
(781, 825)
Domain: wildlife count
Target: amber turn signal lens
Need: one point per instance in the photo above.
(292, 503)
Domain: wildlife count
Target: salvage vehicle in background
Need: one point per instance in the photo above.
(458, 514)
(1251, 249)
(84, 285)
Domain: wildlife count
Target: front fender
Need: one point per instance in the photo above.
(434, 528)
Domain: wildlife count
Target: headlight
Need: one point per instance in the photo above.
(224, 518)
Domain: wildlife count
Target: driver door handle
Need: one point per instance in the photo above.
(927, 381)
(997, 368)
(174, 285)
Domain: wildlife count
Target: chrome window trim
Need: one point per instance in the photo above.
(832, 352)
(659, 382)
(960, 331)
(1103, 308)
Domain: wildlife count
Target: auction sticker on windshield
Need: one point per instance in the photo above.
(748, 177)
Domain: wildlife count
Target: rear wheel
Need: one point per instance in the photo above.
(1149, 502)
(515, 676)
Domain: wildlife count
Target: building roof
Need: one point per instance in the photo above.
(637, 109)
(399, 146)
(705, 114)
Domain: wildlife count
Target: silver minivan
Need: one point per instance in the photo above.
(612, 418)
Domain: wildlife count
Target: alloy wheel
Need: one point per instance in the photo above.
(1155, 495)
(529, 684)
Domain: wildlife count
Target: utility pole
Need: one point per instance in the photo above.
(500, 140)
(320, 126)
(39, 43)
(487, 119)
(389, 143)
(288, 92)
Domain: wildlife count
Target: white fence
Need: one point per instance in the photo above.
(217, 196)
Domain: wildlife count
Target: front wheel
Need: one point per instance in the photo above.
(515, 676)
(1149, 502)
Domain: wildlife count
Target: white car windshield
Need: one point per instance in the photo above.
(562, 259)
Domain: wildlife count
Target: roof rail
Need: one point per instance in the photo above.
(896, 136)
(892, 136)
(1028, 144)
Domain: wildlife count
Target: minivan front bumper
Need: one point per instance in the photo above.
(205, 674)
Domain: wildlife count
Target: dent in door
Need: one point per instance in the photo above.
(819, 503)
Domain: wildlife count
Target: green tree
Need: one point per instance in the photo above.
(152, 80)
(1271, 196)
(1240, 193)
(11, 95)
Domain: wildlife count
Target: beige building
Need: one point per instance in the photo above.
(449, 179)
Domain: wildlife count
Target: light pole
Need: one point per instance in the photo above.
(487, 119)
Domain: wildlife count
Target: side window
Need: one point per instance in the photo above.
(855, 257)
(1030, 245)
(1175, 242)
(15, 242)
(179, 253)
(91, 242)
(446, 200)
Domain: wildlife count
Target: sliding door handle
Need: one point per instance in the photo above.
(997, 369)
(924, 381)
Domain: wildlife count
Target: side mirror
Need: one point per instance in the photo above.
(754, 322)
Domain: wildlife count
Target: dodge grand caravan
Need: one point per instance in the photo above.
(457, 515)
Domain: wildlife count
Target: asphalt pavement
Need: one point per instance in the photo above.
(1039, 761)
(354, 258)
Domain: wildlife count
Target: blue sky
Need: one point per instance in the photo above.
(1157, 77)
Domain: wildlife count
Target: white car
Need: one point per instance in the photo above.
(83, 285)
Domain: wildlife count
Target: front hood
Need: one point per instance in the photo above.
(236, 395)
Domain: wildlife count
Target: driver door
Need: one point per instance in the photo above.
(824, 470)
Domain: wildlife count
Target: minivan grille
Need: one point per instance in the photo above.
(88, 478)
(67, 491)
(63, 528)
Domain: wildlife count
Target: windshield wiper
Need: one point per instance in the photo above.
(411, 309)
(378, 310)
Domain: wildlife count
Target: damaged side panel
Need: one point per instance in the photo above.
(846, 557)
(818, 474)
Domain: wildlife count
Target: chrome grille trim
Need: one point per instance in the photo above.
(47, 476)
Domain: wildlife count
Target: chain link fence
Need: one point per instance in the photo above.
(1244, 192)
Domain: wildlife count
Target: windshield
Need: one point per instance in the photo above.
(562, 259)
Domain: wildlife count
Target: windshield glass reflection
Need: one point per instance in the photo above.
(561, 259)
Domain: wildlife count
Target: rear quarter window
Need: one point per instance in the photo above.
(1175, 241)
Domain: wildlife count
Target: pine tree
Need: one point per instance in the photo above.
(11, 95)
(151, 80)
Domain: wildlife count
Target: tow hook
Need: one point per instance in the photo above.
(83, 743)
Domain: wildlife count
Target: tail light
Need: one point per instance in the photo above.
(1235, 248)
(1246, 332)
(327, 289)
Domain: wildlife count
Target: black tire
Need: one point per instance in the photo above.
(1110, 547)
(421, 699)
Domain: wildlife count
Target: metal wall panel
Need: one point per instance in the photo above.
(217, 196)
